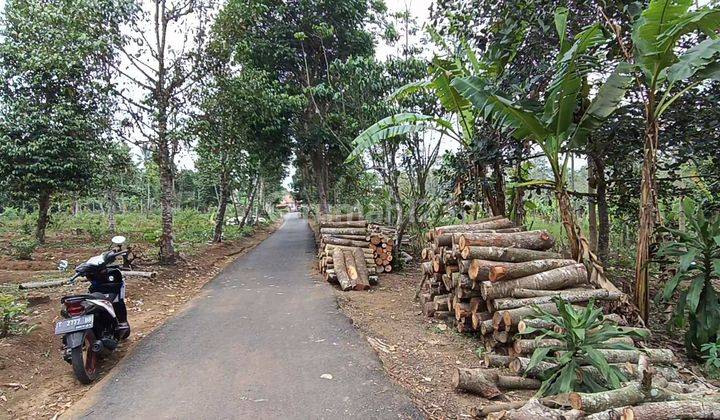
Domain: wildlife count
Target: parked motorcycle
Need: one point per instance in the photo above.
(95, 323)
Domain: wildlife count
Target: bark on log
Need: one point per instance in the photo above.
(464, 266)
(342, 217)
(329, 248)
(530, 293)
(630, 395)
(427, 268)
(539, 240)
(657, 356)
(569, 297)
(362, 238)
(351, 266)
(496, 361)
(517, 382)
(494, 253)
(559, 278)
(345, 224)
(673, 410)
(477, 381)
(511, 317)
(495, 408)
(526, 346)
(479, 317)
(341, 271)
(509, 271)
(344, 231)
(363, 281)
(345, 242)
(487, 224)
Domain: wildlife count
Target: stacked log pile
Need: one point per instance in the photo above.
(485, 278)
(345, 257)
(382, 242)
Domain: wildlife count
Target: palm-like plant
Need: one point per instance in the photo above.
(555, 128)
(697, 251)
(656, 35)
(580, 333)
(460, 118)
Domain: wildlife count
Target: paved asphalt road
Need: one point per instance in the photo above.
(254, 345)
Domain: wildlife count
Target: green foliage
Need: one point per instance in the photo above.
(582, 333)
(56, 110)
(697, 252)
(12, 314)
(711, 354)
(23, 248)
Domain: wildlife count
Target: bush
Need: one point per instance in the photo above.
(23, 248)
(583, 332)
(697, 253)
(12, 316)
(711, 354)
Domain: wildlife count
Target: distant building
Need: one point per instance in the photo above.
(288, 202)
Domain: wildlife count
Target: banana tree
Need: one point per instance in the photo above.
(664, 77)
(555, 128)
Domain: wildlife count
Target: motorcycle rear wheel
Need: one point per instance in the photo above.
(84, 359)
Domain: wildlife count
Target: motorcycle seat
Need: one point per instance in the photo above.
(104, 296)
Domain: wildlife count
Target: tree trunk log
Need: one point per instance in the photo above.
(538, 240)
(363, 281)
(658, 356)
(531, 293)
(506, 254)
(342, 217)
(559, 278)
(499, 222)
(341, 271)
(344, 231)
(527, 346)
(476, 381)
(570, 297)
(673, 410)
(344, 242)
(510, 271)
(511, 317)
(517, 382)
(343, 224)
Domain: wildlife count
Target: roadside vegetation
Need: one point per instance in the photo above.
(177, 122)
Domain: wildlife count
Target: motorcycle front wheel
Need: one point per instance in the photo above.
(84, 359)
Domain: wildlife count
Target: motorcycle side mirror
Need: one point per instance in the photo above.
(118, 240)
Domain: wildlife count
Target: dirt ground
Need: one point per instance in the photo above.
(419, 353)
(34, 380)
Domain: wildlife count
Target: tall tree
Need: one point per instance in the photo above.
(298, 42)
(55, 60)
(664, 77)
(162, 64)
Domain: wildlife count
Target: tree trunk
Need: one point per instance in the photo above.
(43, 217)
(167, 193)
(569, 297)
(484, 224)
(506, 254)
(112, 207)
(673, 410)
(499, 186)
(320, 172)
(568, 220)
(510, 271)
(222, 206)
(251, 200)
(477, 381)
(592, 205)
(362, 269)
(538, 240)
(559, 278)
(648, 215)
(341, 270)
(603, 235)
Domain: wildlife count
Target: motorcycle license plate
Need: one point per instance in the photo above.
(80, 323)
